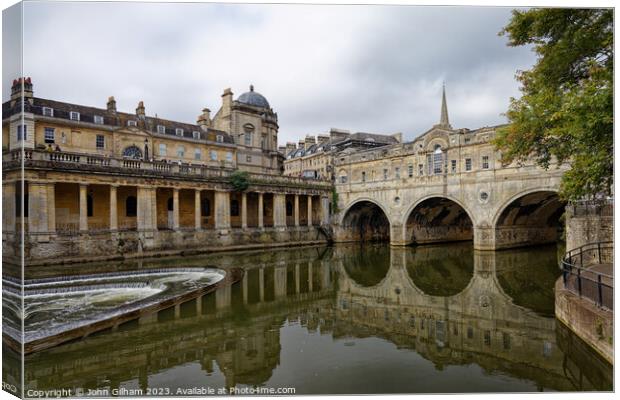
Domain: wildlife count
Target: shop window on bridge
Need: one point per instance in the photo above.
(487, 338)
(206, 207)
(131, 206)
(421, 169)
(410, 170)
(289, 209)
(363, 176)
(485, 162)
(453, 166)
(468, 164)
(234, 208)
(385, 174)
(397, 172)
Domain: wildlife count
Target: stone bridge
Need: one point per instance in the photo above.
(447, 185)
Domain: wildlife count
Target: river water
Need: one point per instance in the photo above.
(334, 320)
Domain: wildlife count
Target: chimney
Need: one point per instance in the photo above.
(337, 135)
(204, 119)
(140, 110)
(310, 140)
(398, 136)
(227, 99)
(290, 146)
(111, 104)
(20, 84)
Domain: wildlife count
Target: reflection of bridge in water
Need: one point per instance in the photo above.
(237, 329)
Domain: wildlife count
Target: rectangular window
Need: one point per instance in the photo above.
(196, 135)
(343, 179)
(49, 135)
(248, 158)
(219, 138)
(468, 164)
(363, 176)
(181, 151)
(410, 170)
(197, 154)
(437, 161)
(179, 131)
(22, 132)
(485, 162)
(162, 149)
(229, 156)
(397, 172)
(421, 169)
(131, 122)
(100, 141)
(385, 174)
(467, 140)
(98, 119)
(453, 166)
(74, 115)
(48, 111)
(161, 129)
(248, 139)
(213, 155)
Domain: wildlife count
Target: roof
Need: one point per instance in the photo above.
(118, 119)
(253, 98)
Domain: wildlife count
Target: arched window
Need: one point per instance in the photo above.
(234, 208)
(206, 207)
(131, 206)
(132, 152)
(89, 206)
(289, 209)
(437, 160)
(170, 204)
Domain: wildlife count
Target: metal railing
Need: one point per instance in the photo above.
(581, 277)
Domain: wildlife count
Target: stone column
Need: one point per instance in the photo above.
(197, 211)
(175, 209)
(279, 210)
(145, 210)
(261, 211)
(244, 210)
(38, 208)
(296, 210)
(113, 208)
(51, 207)
(222, 209)
(309, 210)
(83, 208)
(8, 207)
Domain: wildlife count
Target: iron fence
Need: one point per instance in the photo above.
(581, 275)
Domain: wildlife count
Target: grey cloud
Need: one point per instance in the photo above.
(366, 68)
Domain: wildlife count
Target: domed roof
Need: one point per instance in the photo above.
(253, 98)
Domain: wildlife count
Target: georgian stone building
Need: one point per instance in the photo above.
(85, 182)
(314, 157)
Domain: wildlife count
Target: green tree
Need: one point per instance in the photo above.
(566, 108)
(239, 180)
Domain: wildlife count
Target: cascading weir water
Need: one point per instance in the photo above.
(59, 309)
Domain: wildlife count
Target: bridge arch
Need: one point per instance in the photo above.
(437, 218)
(530, 217)
(366, 220)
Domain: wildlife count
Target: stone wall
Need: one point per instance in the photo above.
(128, 244)
(589, 222)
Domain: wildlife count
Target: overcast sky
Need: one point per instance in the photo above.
(363, 68)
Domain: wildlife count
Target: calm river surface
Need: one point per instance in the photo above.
(344, 319)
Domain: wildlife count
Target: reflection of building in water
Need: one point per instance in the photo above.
(237, 330)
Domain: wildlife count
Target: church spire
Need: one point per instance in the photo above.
(444, 122)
